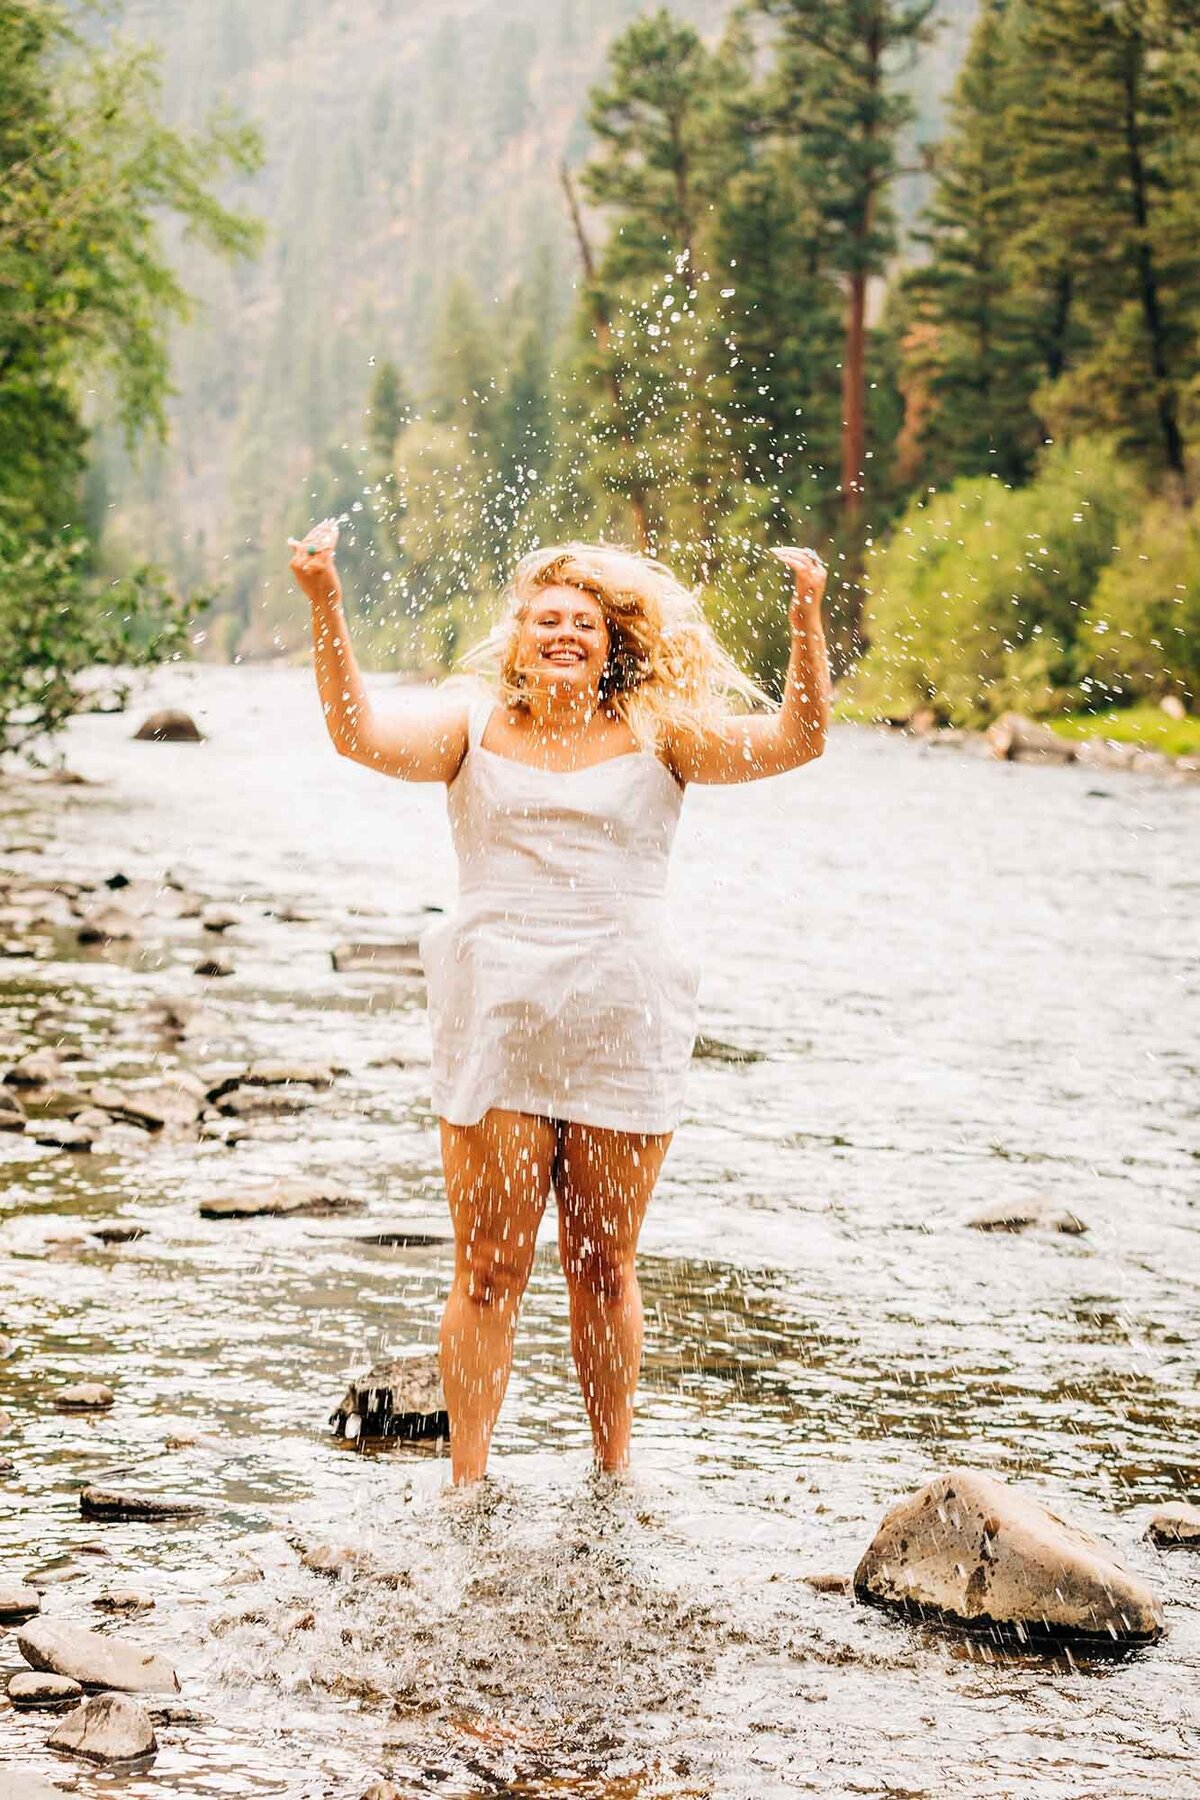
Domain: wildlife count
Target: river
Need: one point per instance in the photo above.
(966, 981)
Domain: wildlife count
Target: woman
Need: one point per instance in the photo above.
(562, 1012)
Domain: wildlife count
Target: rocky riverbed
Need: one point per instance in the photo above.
(933, 1204)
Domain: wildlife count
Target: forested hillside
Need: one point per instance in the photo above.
(406, 145)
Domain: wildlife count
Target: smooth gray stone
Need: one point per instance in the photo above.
(97, 1662)
(969, 1550)
(28, 1688)
(281, 1201)
(108, 1728)
(17, 1602)
(85, 1396)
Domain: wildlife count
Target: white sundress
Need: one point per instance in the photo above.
(556, 986)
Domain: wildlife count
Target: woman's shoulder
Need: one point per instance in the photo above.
(476, 697)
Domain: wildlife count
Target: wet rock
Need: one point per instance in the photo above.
(1014, 738)
(17, 1602)
(828, 1584)
(27, 1688)
(968, 1550)
(152, 1108)
(281, 1074)
(338, 1561)
(85, 1396)
(418, 1234)
(92, 1119)
(124, 1600)
(60, 1134)
(193, 1440)
(36, 1070)
(1103, 753)
(119, 1234)
(1037, 1212)
(108, 1728)
(116, 1503)
(19, 1784)
(1175, 1527)
(282, 1201)
(175, 1712)
(217, 918)
(95, 1661)
(378, 959)
(108, 925)
(224, 1131)
(383, 1790)
(263, 1102)
(1152, 762)
(6, 1422)
(214, 966)
(12, 1118)
(181, 1017)
(168, 726)
(711, 1049)
(399, 1398)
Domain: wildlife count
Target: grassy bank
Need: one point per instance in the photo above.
(1146, 726)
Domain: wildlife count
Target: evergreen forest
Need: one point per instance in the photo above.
(913, 281)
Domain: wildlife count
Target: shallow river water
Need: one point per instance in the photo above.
(967, 981)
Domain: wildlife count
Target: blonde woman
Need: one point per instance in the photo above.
(562, 1007)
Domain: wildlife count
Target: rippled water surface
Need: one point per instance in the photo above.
(965, 981)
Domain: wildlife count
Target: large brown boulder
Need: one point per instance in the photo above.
(1014, 738)
(968, 1550)
(95, 1661)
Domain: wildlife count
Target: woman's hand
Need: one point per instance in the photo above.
(810, 576)
(312, 561)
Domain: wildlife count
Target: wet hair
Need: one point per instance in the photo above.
(665, 669)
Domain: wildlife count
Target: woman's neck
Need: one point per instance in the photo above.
(560, 716)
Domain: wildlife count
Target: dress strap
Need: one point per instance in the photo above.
(479, 710)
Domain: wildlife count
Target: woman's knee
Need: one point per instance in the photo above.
(603, 1272)
(494, 1274)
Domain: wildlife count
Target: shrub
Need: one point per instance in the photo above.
(975, 601)
(1142, 631)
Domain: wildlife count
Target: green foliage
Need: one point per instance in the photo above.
(977, 598)
(1142, 630)
(87, 173)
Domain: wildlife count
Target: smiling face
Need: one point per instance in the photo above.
(563, 643)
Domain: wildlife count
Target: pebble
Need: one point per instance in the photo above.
(263, 1102)
(119, 1234)
(1175, 1527)
(217, 918)
(969, 1550)
(85, 1396)
(115, 1503)
(96, 1661)
(28, 1688)
(711, 1049)
(35, 1070)
(108, 1728)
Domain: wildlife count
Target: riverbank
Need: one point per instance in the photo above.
(943, 983)
(1140, 740)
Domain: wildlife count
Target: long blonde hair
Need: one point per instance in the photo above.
(665, 669)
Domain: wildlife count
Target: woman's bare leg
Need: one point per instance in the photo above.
(497, 1183)
(603, 1181)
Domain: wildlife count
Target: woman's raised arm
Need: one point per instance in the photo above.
(425, 741)
(747, 748)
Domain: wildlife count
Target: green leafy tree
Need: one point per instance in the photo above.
(977, 599)
(1142, 630)
(87, 295)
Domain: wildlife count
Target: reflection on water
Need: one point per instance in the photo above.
(968, 982)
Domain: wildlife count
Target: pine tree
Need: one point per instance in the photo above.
(835, 94)
(1112, 187)
(389, 411)
(971, 356)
